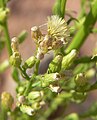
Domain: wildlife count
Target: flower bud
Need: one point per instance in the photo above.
(6, 100)
(35, 96)
(36, 106)
(20, 89)
(3, 15)
(50, 78)
(55, 65)
(84, 88)
(80, 79)
(36, 33)
(21, 99)
(55, 89)
(27, 109)
(78, 97)
(15, 44)
(46, 44)
(68, 59)
(22, 36)
(29, 63)
(15, 59)
(42, 103)
(90, 73)
(72, 116)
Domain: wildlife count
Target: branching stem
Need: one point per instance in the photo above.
(85, 29)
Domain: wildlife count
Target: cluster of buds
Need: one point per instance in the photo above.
(21, 87)
(61, 64)
(56, 37)
(6, 100)
(50, 81)
(81, 79)
(35, 102)
(3, 15)
(15, 58)
(78, 97)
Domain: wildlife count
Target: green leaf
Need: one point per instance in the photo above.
(72, 19)
(63, 4)
(22, 36)
(59, 8)
(84, 30)
(15, 75)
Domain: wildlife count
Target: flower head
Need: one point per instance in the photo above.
(56, 37)
(57, 27)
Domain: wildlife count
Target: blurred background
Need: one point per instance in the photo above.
(26, 14)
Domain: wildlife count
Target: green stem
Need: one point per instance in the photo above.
(36, 67)
(3, 114)
(85, 29)
(85, 60)
(6, 32)
(3, 4)
(62, 98)
(82, 13)
(94, 30)
(63, 6)
(29, 86)
(93, 87)
(59, 8)
(8, 42)
(24, 73)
